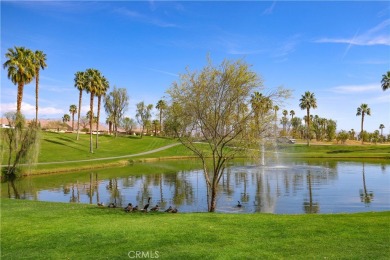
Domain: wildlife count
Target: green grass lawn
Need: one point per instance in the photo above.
(61, 147)
(43, 230)
(336, 151)
(64, 147)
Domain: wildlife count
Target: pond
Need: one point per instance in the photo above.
(294, 187)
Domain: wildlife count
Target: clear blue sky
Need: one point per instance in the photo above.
(338, 50)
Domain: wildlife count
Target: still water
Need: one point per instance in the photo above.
(320, 186)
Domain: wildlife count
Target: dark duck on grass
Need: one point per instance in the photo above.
(156, 208)
(112, 205)
(239, 204)
(145, 209)
(129, 207)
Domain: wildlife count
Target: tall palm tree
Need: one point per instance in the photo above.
(93, 82)
(256, 99)
(79, 83)
(161, 106)
(72, 111)
(155, 124)
(386, 81)
(101, 91)
(308, 101)
(284, 121)
(20, 70)
(381, 126)
(362, 111)
(39, 60)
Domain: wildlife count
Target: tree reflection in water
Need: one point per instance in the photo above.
(310, 206)
(365, 196)
(298, 188)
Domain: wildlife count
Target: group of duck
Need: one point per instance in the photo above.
(131, 208)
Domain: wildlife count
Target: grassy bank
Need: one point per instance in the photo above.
(336, 151)
(71, 155)
(37, 230)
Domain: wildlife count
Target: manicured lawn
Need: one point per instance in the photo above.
(64, 147)
(43, 230)
(61, 147)
(336, 151)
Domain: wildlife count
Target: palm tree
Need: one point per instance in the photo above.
(363, 110)
(292, 114)
(79, 83)
(93, 82)
(261, 105)
(352, 134)
(284, 121)
(161, 106)
(65, 118)
(381, 126)
(386, 81)
(308, 101)
(155, 124)
(39, 61)
(20, 70)
(101, 91)
(72, 111)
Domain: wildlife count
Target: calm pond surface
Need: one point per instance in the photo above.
(315, 186)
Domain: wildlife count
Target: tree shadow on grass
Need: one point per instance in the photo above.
(60, 143)
(339, 151)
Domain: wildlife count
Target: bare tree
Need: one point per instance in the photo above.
(205, 107)
(143, 115)
(116, 104)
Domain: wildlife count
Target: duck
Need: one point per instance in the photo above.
(174, 210)
(100, 204)
(112, 205)
(239, 204)
(135, 208)
(169, 209)
(129, 207)
(145, 209)
(156, 208)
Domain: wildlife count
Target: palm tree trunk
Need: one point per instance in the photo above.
(361, 127)
(160, 122)
(78, 116)
(36, 95)
(19, 97)
(90, 123)
(308, 127)
(97, 121)
(72, 121)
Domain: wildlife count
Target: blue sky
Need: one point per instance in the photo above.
(338, 50)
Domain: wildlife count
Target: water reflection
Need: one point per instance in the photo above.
(296, 187)
(365, 195)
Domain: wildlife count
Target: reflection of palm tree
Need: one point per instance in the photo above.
(310, 206)
(244, 195)
(97, 188)
(163, 203)
(365, 196)
(112, 187)
(73, 197)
